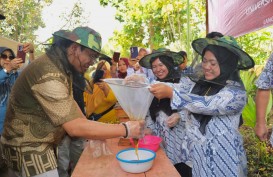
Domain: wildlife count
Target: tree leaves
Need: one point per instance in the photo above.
(23, 18)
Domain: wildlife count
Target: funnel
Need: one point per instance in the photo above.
(135, 98)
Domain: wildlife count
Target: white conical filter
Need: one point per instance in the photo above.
(134, 97)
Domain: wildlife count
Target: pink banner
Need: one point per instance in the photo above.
(238, 17)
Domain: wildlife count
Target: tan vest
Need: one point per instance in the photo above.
(35, 114)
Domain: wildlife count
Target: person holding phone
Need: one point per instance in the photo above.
(100, 104)
(10, 64)
(114, 64)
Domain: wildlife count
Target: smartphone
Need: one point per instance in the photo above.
(21, 53)
(98, 76)
(116, 56)
(134, 52)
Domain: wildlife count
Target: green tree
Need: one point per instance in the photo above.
(75, 17)
(23, 18)
(258, 44)
(155, 24)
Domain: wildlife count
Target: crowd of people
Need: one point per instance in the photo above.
(49, 109)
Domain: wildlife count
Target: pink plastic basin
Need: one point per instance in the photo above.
(149, 142)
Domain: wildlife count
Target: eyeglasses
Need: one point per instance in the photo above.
(4, 56)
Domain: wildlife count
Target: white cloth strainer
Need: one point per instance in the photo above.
(134, 97)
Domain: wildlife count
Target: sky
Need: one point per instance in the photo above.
(101, 19)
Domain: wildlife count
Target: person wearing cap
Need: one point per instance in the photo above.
(212, 106)
(70, 148)
(41, 108)
(10, 68)
(162, 120)
(264, 84)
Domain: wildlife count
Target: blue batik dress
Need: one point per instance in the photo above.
(219, 152)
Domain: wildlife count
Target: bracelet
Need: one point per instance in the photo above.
(126, 130)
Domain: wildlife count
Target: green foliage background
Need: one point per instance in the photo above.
(153, 24)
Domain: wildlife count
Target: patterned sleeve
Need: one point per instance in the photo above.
(265, 80)
(59, 105)
(227, 102)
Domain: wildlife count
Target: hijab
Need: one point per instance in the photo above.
(172, 77)
(120, 74)
(228, 62)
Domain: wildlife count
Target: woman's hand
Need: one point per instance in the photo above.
(173, 120)
(104, 87)
(13, 64)
(28, 48)
(161, 90)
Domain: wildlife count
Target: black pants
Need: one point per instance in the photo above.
(183, 169)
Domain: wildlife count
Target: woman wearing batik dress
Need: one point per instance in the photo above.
(212, 106)
(162, 120)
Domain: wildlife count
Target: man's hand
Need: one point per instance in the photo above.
(261, 131)
(135, 129)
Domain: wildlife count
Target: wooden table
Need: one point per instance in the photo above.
(108, 166)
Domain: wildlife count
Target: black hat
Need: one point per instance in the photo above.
(245, 61)
(177, 58)
(2, 49)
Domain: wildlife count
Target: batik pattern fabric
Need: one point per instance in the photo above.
(265, 80)
(6, 82)
(41, 101)
(218, 152)
(188, 70)
(171, 137)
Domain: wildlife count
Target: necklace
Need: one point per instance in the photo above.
(207, 91)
